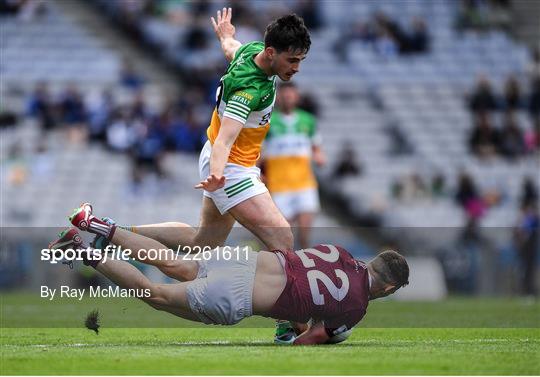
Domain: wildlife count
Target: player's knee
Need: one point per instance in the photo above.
(287, 237)
(283, 239)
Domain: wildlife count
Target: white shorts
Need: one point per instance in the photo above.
(222, 292)
(241, 183)
(292, 203)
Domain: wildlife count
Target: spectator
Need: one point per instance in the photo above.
(41, 106)
(8, 118)
(73, 113)
(512, 94)
(471, 15)
(309, 103)
(534, 100)
(386, 45)
(200, 8)
(468, 197)
(186, 137)
(121, 133)
(129, 78)
(484, 141)
(128, 14)
(409, 188)
(438, 186)
(532, 137)
(482, 99)
(417, 41)
(527, 241)
(42, 163)
(30, 10)
(357, 30)
(347, 164)
(512, 143)
(148, 151)
(198, 59)
(139, 108)
(16, 163)
(100, 114)
(310, 12)
(482, 14)
(499, 14)
(529, 192)
(387, 37)
(526, 234)
(386, 24)
(533, 69)
(10, 7)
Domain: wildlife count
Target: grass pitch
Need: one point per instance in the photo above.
(511, 345)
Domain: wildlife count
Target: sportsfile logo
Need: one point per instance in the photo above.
(113, 252)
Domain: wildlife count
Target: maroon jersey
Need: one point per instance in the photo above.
(324, 283)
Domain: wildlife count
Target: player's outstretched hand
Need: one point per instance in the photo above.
(212, 183)
(222, 24)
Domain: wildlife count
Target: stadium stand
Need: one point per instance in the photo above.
(425, 98)
(403, 115)
(49, 171)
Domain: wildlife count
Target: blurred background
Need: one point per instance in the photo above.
(428, 113)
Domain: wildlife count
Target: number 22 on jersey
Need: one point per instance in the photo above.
(315, 275)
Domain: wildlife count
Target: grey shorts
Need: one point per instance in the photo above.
(222, 292)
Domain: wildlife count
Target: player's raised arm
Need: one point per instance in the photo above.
(225, 32)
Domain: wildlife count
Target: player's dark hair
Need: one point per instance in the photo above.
(391, 268)
(288, 33)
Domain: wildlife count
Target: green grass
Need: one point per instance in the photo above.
(250, 351)
(29, 310)
(510, 345)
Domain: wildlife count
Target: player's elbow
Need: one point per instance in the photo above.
(229, 55)
(223, 144)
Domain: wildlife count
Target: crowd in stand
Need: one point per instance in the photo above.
(24, 10)
(195, 54)
(133, 128)
(386, 36)
(483, 15)
(507, 139)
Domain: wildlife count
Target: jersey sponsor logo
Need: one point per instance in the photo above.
(240, 99)
(295, 144)
(244, 94)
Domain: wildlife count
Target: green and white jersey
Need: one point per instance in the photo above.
(291, 134)
(287, 152)
(247, 95)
